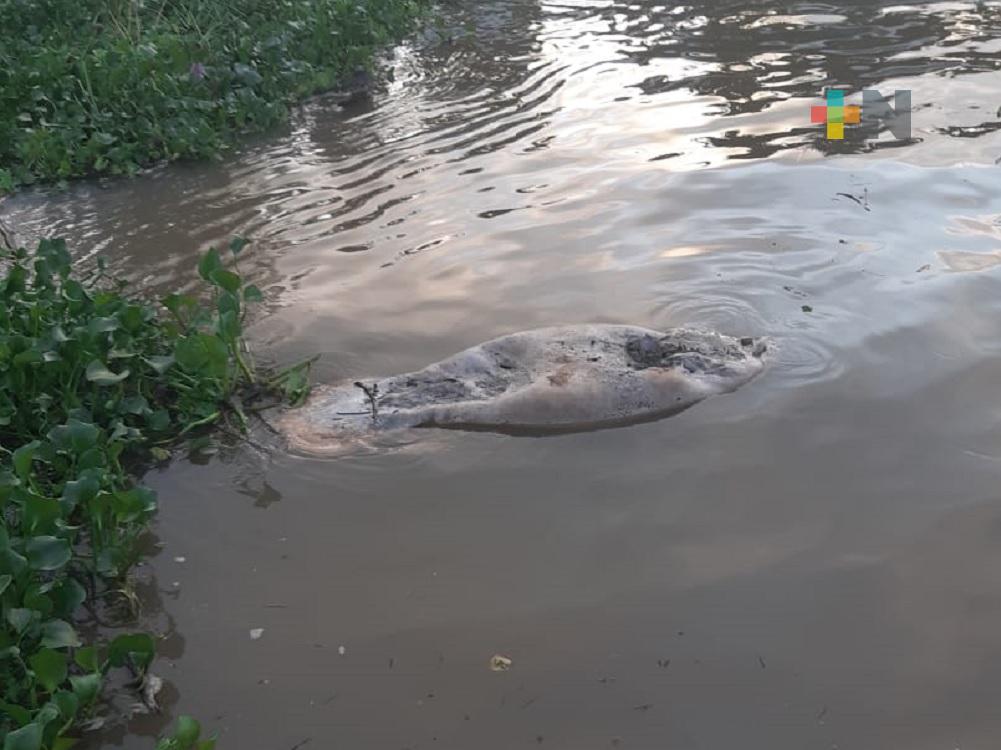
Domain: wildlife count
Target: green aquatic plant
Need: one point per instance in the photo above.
(186, 736)
(95, 384)
(110, 86)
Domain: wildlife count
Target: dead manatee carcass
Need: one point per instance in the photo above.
(561, 379)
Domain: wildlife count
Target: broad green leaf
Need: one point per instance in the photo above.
(5, 582)
(160, 363)
(49, 667)
(229, 327)
(75, 436)
(139, 645)
(187, 731)
(246, 75)
(81, 490)
(59, 634)
(237, 244)
(28, 737)
(68, 704)
(19, 714)
(39, 514)
(86, 659)
(202, 353)
(20, 618)
(181, 305)
(134, 504)
(37, 598)
(47, 552)
(135, 405)
(252, 294)
(226, 279)
(228, 302)
(98, 372)
(86, 687)
(22, 459)
(103, 325)
(209, 263)
(66, 596)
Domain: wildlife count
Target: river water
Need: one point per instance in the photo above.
(813, 561)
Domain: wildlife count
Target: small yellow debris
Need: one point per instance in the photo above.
(500, 663)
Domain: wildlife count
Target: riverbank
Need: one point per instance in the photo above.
(110, 86)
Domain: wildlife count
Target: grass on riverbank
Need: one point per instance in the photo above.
(95, 384)
(109, 86)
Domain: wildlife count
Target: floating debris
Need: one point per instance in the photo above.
(500, 663)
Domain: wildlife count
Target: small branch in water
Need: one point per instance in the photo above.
(371, 394)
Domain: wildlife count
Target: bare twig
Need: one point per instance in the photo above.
(371, 394)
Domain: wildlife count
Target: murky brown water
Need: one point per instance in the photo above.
(811, 562)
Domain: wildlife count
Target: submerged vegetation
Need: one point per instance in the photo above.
(96, 384)
(108, 86)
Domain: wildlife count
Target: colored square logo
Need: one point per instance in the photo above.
(836, 114)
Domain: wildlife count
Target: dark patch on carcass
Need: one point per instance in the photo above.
(695, 355)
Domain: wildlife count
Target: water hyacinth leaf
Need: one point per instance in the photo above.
(237, 244)
(228, 303)
(5, 582)
(20, 618)
(187, 731)
(202, 353)
(246, 75)
(209, 264)
(36, 598)
(86, 687)
(182, 306)
(13, 562)
(82, 489)
(59, 634)
(133, 317)
(159, 420)
(138, 646)
(86, 658)
(28, 737)
(229, 327)
(22, 459)
(135, 405)
(55, 254)
(91, 459)
(49, 667)
(39, 514)
(21, 716)
(16, 278)
(68, 704)
(74, 436)
(103, 325)
(47, 552)
(134, 504)
(160, 363)
(226, 280)
(98, 373)
(66, 596)
(252, 294)
(65, 743)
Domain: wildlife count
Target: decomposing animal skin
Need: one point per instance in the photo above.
(563, 379)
